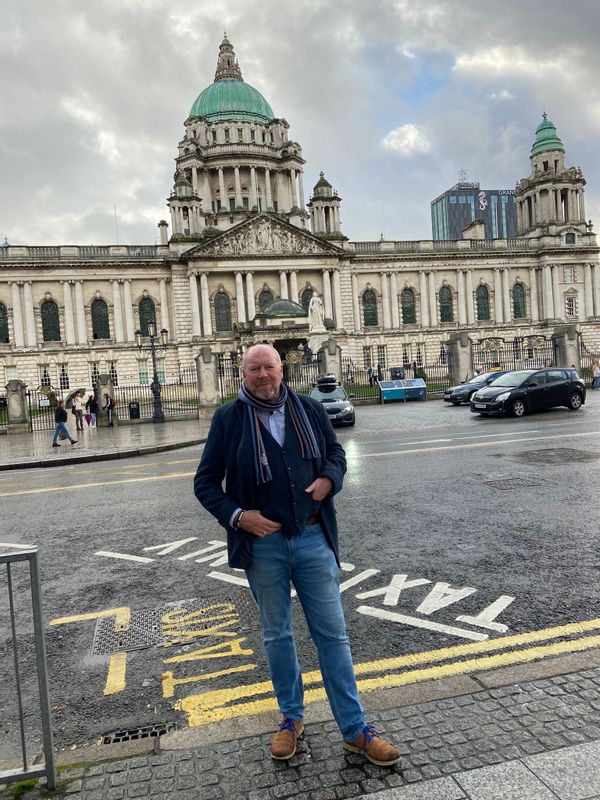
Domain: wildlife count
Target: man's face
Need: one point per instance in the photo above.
(263, 372)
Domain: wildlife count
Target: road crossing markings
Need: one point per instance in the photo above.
(213, 706)
(124, 556)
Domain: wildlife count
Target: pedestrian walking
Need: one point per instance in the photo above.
(78, 411)
(371, 376)
(108, 406)
(92, 410)
(282, 464)
(60, 418)
(595, 367)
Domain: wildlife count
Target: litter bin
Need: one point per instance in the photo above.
(134, 410)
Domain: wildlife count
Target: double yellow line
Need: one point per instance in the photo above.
(214, 706)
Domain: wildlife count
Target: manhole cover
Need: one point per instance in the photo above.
(174, 623)
(146, 732)
(511, 483)
(556, 455)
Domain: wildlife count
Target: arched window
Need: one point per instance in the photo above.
(306, 297)
(265, 298)
(50, 321)
(370, 308)
(3, 324)
(483, 303)
(222, 312)
(147, 314)
(100, 327)
(407, 301)
(570, 238)
(518, 294)
(446, 311)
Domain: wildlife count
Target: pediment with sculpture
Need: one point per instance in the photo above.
(263, 236)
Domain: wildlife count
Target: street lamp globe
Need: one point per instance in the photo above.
(138, 338)
(164, 337)
(151, 329)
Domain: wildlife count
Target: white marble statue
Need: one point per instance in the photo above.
(316, 313)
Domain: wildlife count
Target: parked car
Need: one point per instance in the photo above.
(329, 391)
(463, 392)
(526, 390)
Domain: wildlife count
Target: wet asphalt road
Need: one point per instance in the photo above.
(472, 511)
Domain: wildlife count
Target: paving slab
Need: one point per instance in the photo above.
(440, 789)
(573, 774)
(512, 781)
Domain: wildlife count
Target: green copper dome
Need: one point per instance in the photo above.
(232, 100)
(546, 138)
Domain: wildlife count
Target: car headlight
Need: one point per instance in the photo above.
(476, 396)
(348, 408)
(502, 397)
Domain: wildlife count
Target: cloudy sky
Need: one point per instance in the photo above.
(391, 98)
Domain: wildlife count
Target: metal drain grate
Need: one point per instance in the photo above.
(511, 483)
(147, 732)
(149, 628)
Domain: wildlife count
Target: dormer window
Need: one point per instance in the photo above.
(226, 134)
(214, 136)
(570, 238)
(252, 135)
(240, 134)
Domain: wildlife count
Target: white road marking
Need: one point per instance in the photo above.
(414, 622)
(123, 556)
(443, 595)
(214, 544)
(223, 576)
(168, 547)
(362, 576)
(485, 618)
(392, 592)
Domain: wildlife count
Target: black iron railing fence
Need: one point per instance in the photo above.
(299, 373)
(361, 382)
(178, 398)
(587, 358)
(3, 411)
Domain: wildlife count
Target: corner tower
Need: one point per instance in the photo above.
(551, 199)
(324, 208)
(235, 159)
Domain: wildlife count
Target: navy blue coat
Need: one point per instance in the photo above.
(228, 454)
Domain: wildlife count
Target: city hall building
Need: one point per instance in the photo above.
(245, 250)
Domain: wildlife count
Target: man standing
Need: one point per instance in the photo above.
(92, 408)
(282, 465)
(78, 411)
(60, 418)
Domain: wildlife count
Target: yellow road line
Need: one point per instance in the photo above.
(208, 707)
(115, 679)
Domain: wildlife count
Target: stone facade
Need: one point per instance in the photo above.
(70, 313)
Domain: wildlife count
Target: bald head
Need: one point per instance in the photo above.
(262, 371)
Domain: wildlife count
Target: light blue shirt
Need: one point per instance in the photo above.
(274, 422)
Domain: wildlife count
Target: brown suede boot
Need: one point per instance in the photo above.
(374, 748)
(283, 745)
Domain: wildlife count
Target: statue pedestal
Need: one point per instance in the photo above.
(18, 410)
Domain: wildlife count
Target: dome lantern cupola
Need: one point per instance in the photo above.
(546, 138)
(228, 68)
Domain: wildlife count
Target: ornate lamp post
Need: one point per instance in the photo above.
(158, 415)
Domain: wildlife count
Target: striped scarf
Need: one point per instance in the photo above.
(306, 436)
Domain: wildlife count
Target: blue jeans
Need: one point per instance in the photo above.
(308, 562)
(61, 426)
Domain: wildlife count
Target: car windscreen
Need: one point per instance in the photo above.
(485, 376)
(322, 393)
(512, 378)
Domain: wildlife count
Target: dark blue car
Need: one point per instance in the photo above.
(465, 390)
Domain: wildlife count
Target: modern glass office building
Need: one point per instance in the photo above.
(465, 202)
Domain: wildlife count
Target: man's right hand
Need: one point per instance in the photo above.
(254, 522)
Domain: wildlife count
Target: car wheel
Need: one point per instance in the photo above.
(518, 408)
(575, 401)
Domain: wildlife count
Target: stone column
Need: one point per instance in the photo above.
(581, 205)
(268, 190)
(250, 296)
(293, 187)
(433, 315)
(294, 286)
(547, 302)
(29, 316)
(17, 406)
(283, 287)
(17, 315)
(385, 300)
(498, 297)
(533, 295)
(559, 312)
(117, 316)
(239, 292)
(222, 192)
(587, 305)
(164, 304)
(238, 188)
(394, 300)
(355, 303)
(460, 287)
(301, 189)
(337, 298)
(195, 178)
(129, 324)
(506, 294)
(195, 305)
(69, 322)
(206, 320)
(80, 313)
(596, 289)
(424, 304)
(470, 298)
(253, 192)
(327, 295)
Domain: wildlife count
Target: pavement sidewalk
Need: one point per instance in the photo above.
(28, 450)
(530, 732)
